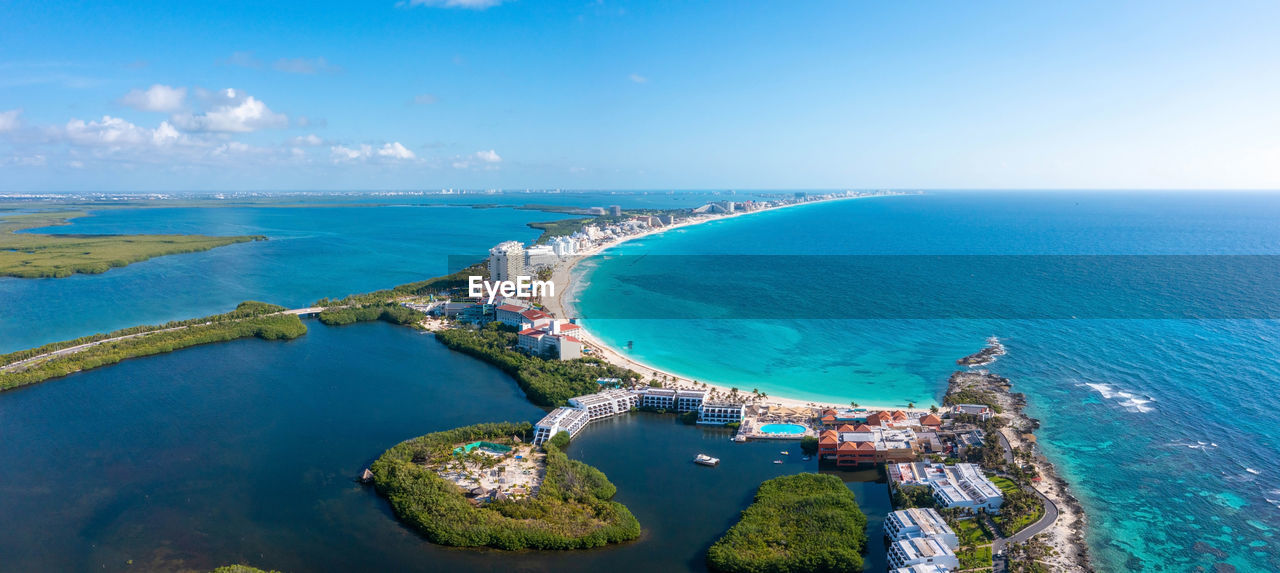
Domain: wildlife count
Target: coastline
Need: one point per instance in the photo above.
(561, 305)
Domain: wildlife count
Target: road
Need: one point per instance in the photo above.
(81, 347)
(1045, 521)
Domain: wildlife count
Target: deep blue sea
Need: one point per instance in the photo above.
(1168, 429)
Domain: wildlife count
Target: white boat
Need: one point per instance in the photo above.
(777, 461)
(786, 453)
(704, 459)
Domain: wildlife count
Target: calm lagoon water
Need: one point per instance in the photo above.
(246, 452)
(1168, 429)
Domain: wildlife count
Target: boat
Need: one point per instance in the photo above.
(786, 453)
(777, 461)
(704, 459)
(806, 458)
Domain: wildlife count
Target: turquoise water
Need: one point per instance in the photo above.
(312, 253)
(1167, 429)
(782, 429)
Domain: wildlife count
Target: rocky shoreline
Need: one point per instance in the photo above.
(1067, 534)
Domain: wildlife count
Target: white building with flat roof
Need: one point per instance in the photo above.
(720, 413)
(921, 551)
(606, 403)
(506, 261)
(540, 256)
(918, 522)
(659, 398)
(921, 569)
(689, 400)
(964, 486)
(570, 420)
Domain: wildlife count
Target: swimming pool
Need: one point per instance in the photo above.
(782, 429)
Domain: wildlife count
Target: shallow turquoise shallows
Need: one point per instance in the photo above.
(1168, 430)
(782, 429)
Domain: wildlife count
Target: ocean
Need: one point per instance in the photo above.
(1166, 428)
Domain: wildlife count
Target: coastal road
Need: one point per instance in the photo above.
(1045, 521)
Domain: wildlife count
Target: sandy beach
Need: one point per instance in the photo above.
(562, 306)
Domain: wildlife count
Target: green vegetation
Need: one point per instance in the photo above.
(249, 319)
(908, 496)
(240, 569)
(804, 522)
(973, 397)
(552, 229)
(387, 312)
(1005, 484)
(975, 557)
(545, 382)
(437, 285)
(573, 509)
(809, 445)
(36, 255)
(1019, 510)
(970, 532)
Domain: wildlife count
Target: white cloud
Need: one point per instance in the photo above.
(425, 99)
(9, 120)
(637, 78)
(389, 151)
(231, 111)
(304, 65)
(156, 98)
(489, 159)
(25, 160)
(465, 4)
(395, 151)
(490, 156)
(110, 131)
(310, 139)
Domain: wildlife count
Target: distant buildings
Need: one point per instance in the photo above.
(962, 486)
(720, 413)
(506, 261)
(615, 210)
(540, 257)
(563, 246)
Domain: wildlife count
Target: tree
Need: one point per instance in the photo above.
(933, 408)
(809, 445)
(911, 405)
(853, 404)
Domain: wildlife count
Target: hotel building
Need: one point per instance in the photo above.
(962, 486)
(920, 569)
(851, 445)
(918, 523)
(982, 411)
(570, 420)
(555, 338)
(669, 399)
(607, 403)
(506, 261)
(720, 413)
(690, 400)
(909, 552)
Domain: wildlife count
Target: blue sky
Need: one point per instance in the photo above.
(638, 95)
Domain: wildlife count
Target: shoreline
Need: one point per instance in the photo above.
(561, 305)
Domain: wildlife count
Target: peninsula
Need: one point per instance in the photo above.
(39, 255)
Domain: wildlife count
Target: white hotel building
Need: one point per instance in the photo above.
(962, 486)
(920, 523)
(921, 551)
(606, 403)
(670, 399)
(570, 420)
(720, 413)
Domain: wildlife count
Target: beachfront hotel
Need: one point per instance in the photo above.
(720, 413)
(553, 338)
(607, 403)
(850, 445)
(571, 420)
(920, 523)
(982, 411)
(962, 486)
(506, 261)
(923, 551)
(671, 399)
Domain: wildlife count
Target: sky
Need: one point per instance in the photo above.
(737, 94)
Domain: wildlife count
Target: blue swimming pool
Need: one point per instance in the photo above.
(782, 429)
